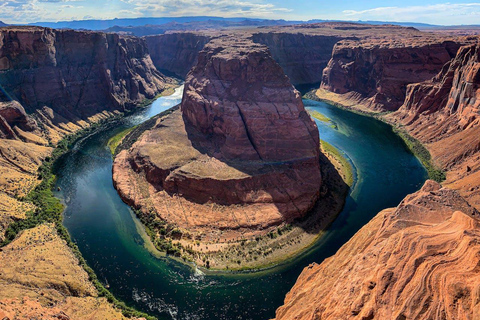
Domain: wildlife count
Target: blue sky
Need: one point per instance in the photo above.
(435, 12)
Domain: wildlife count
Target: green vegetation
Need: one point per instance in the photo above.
(115, 141)
(49, 210)
(422, 154)
(317, 115)
(340, 157)
(160, 232)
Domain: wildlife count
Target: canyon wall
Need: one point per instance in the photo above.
(375, 73)
(55, 83)
(302, 56)
(417, 261)
(76, 74)
(176, 53)
(444, 114)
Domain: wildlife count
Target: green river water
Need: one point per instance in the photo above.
(111, 241)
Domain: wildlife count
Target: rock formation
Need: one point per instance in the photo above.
(76, 74)
(375, 72)
(241, 156)
(417, 261)
(443, 113)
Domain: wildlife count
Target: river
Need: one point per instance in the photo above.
(109, 236)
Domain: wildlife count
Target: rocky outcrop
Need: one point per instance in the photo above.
(375, 72)
(241, 156)
(12, 115)
(416, 261)
(443, 113)
(76, 74)
(176, 53)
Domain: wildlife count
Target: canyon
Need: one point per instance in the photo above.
(212, 157)
(391, 267)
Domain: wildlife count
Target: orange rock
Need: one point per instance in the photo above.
(417, 261)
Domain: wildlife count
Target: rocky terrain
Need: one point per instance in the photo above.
(55, 84)
(417, 261)
(443, 113)
(391, 56)
(42, 279)
(374, 73)
(240, 157)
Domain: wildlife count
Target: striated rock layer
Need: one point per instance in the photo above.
(374, 72)
(241, 156)
(417, 261)
(444, 113)
(76, 74)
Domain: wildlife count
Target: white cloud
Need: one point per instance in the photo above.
(443, 13)
(22, 11)
(225, 8)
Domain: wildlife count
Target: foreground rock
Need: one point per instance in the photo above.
(416, 261)
(239, 159)
(41, 278)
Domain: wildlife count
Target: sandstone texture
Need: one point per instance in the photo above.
(443, 113)
(76, 74)
(375, 72)
(176, 53)
(240, 156)
(417, 261)
(41, 279)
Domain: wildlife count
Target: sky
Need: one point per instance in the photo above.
(434, 12)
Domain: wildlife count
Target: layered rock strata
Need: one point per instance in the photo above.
(55, 83)
(76, 74)
(374, 73)
(417, 261)
(239, 158)
(444, 113)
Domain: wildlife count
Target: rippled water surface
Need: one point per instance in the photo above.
(109, 237)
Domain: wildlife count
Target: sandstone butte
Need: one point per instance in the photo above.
(239, 159)
(56, 83)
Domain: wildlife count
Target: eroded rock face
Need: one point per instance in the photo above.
(375, 73)
(77, 74)
(13, 115)
(416, 261)
(242, 141)
(241, 99)
(302, 56)
(443, 113)
(176, 52)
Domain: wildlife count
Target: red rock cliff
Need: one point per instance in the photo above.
(375, 72)
(76, 74)
(176, 52)
(443, 113)
(241, 98)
